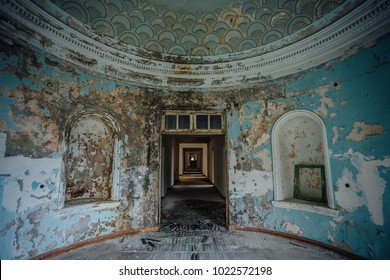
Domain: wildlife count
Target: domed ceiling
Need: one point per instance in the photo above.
(198, 45)
(201, 27)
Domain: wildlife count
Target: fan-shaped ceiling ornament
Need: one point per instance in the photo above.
(158, 47)
(234, 22)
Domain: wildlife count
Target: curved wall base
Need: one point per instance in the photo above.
(300, 238)
(91, 241)
(99, 239)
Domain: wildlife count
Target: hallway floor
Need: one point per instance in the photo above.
(193, 228)
(192, 180)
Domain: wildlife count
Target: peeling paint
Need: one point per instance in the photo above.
(367, 189)
(335, 135)
(289, 227)
(259, 182)
(43, 174)
(40, 94)
(90, 159)
(326, 102)
(266, 160)
(362, 130)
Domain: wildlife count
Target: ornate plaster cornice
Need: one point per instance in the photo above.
(244, 25)
(365, 23)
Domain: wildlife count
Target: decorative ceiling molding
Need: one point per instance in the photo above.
(365, 23)
(239, 26)
(208, 41)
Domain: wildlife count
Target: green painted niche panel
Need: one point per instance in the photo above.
(309, 183)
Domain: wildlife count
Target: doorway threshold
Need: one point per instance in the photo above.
(192, 182)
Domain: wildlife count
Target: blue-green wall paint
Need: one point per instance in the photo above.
(350, 95)
(39, 94)
(352, 98)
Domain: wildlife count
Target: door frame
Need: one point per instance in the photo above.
(224, 169)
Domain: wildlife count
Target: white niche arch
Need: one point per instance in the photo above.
(299, 138)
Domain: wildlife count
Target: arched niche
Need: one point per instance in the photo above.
(301, 167)
(91, 159)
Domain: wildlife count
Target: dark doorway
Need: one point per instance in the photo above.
(193, 183)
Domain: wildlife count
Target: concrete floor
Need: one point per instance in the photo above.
(193, 227)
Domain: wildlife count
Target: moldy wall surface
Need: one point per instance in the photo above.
(40, 93)
(351, 97)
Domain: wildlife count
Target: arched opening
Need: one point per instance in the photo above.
(91, 159)
(300, 159)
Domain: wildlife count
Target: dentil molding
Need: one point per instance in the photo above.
(365, 23)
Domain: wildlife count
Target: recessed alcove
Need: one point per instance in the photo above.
(92, 160)
(299, 140)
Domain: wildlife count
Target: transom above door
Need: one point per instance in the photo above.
(194, 122)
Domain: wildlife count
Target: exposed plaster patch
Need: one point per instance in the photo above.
(335, 135)
(19, 227)
(348, 198)
(78, 231)
(33, 114)
(292, 154)
(136, 180)
(232, 157)
(331, 238)
(89, 159)
(368, 189)
(361, 130)
(251, 182)
(42, 173)
(335, 221)
(259, 133)
(292, 228)
(266, 160)
(333, 225)
(338, 219)
(325, 101)
(122, 223)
